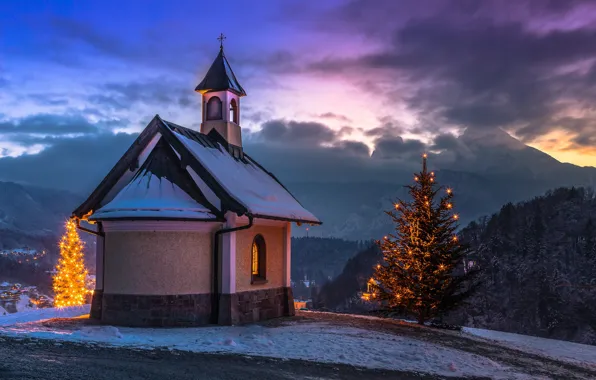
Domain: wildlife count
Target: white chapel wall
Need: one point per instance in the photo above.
(157, 262)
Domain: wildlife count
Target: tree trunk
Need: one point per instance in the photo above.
(421, 319)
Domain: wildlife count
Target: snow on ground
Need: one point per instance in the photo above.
(34, 315)
(557, 349)
(23, 304)
(320, 342)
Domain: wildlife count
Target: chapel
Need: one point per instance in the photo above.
(190, 229)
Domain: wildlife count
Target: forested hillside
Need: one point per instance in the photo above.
(538, 261)
(319, 259)
(539, 267)
(341, 294)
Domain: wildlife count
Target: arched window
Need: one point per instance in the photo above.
(214, 109)
(258, 259)
(234, 111)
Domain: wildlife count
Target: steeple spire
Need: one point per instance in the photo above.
(220, 76)
(221, 39)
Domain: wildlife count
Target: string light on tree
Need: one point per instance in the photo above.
(418, 275)
(69, 280)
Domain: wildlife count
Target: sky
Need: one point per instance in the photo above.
(352, 80)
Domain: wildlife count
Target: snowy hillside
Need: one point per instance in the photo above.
(334, 338)
(556, 349)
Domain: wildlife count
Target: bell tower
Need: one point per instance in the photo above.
(221, 95)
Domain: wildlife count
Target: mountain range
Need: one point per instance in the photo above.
(486, 169)
(32, 216)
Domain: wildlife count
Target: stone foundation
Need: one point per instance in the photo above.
(157, 311)
(96, 302)
(255, 305)
(191, 309)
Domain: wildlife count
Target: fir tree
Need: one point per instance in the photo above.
(422, 271)
(69, 280)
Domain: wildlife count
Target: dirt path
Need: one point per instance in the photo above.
(526, 362)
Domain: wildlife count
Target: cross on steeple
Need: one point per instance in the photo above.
(221, 39)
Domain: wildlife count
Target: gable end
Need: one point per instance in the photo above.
(128, 161)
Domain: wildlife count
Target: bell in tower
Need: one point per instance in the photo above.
(221, 95)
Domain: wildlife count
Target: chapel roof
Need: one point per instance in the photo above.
(159, 189)
(220, 77)
(173, 172)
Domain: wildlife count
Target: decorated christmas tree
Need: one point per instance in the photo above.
(423, 272)
(69, 279)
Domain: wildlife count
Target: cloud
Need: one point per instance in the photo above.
(84, 32)
(356, 148)
(334, 116)
(311, 135)
(150, 91)
(50, 124)
(397, 147)
(295, 151)
(77, 163)
(296, 133)
(389, 127)
(472, 66)
(34, 133)
(446, 141)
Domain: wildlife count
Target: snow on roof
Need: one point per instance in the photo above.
(252, 186)
(149, 196)
(190, 175)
